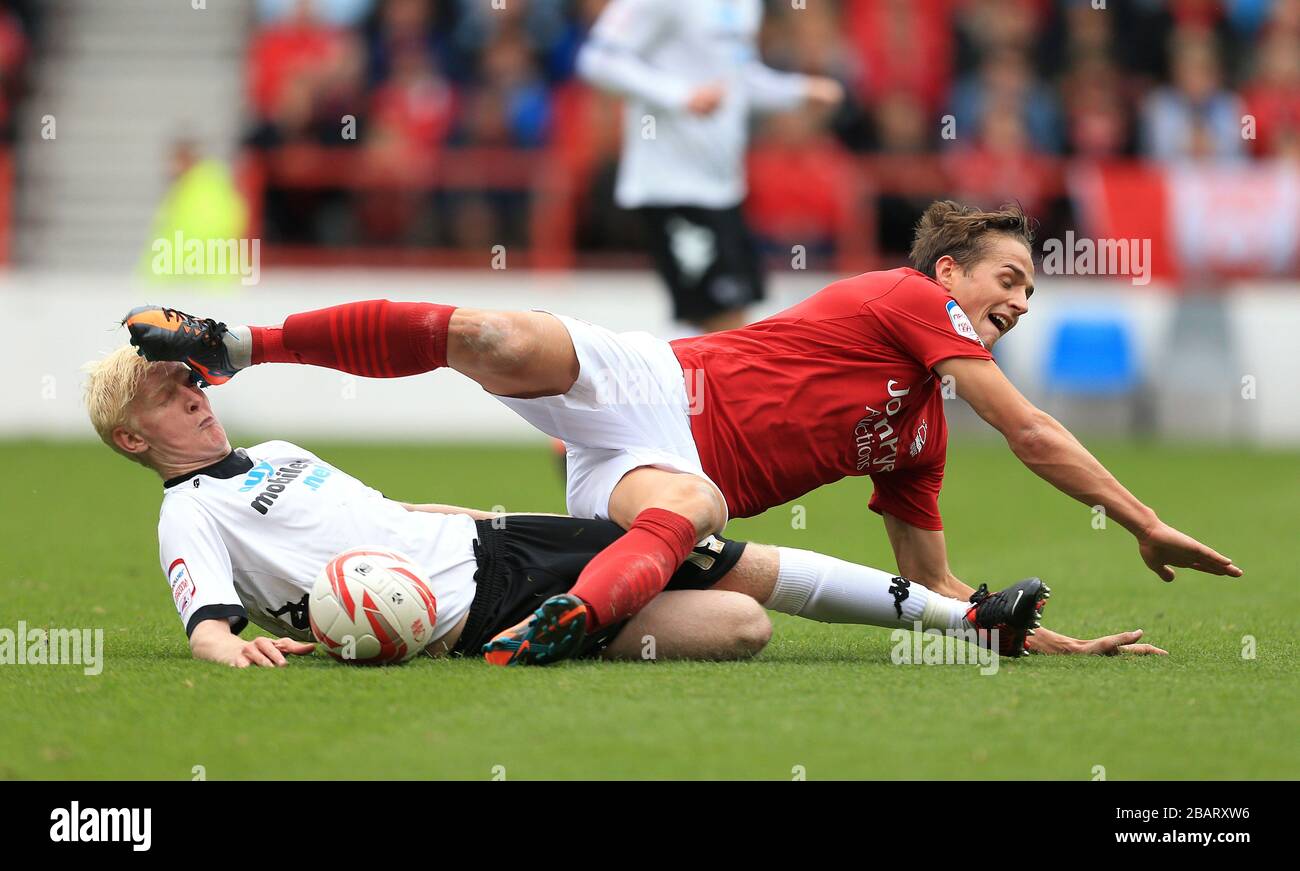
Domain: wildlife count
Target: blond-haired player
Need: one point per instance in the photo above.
(244, 532)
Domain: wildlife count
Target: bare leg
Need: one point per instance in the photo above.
(754, 574)
(517, 354)
(530, 354)
(664, 514)
(694, 624)
(688, 495)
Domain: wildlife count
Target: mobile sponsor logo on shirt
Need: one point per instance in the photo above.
(275, 480)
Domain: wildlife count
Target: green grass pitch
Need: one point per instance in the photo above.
(79, 550)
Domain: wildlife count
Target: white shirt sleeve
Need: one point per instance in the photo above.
(197, 566)
(613, 58)
(771, 90)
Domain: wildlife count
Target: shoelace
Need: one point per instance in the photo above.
(977, 598)
(211, 328)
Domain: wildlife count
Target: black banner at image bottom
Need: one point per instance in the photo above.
(135, 819)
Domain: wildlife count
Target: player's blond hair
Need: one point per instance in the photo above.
(111, 385)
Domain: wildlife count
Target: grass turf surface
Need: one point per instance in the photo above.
(79, 549)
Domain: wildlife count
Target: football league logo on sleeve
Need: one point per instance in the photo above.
(961, 323)
(182, 586)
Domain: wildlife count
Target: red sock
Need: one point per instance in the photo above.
(376, 338)
(624, 577)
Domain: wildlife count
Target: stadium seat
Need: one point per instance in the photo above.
(1092, 358)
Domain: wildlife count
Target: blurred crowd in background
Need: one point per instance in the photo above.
(18, 20)
(998, 88)
(984, 100)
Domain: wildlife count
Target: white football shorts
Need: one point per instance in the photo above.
(629, 408)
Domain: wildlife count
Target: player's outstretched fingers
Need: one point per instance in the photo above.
(1162, 548)
(296, 648)
(1209, 554)
(1211, 561)
(1110, 645)
(1142, 650)
(1164, 572)
(1218, 565)
(249, 655)
(262, 651)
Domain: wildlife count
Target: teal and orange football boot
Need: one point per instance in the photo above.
(554, 632)
(167, 334)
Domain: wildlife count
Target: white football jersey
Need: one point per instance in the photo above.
(245, 538)
(656, 53)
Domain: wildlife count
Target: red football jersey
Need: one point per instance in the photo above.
(841, 384)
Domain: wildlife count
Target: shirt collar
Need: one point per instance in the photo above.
(234, 463)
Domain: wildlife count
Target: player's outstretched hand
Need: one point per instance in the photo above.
(1045, 641)
(269, 652)
(1123, 643)
(1163, 548)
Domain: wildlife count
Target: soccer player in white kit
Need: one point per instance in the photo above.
(244, 533)
(691, 76)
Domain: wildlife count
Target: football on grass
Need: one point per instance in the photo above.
(372, 606)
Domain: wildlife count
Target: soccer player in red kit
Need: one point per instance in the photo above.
(670, 439)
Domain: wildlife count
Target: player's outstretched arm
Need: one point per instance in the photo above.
(1047, 641)
(438, 508)
(212, 640)
(1052, 453)
(613, 59)
(922, 556)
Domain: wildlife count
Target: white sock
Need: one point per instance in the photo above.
(239, 345)
(830, 590)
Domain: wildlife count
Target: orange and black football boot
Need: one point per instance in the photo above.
(167, 334)
(554, 632)
(1009, 615)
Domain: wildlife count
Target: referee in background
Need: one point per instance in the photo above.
(690, 74)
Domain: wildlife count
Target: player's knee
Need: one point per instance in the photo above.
(496, 339)
(751, 629)
(695, 499)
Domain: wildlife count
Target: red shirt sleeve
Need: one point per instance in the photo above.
(926, 323)
(911, 495)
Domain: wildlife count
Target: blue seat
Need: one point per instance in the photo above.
(1092, 357)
